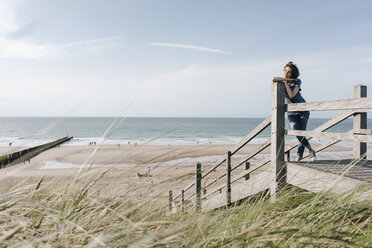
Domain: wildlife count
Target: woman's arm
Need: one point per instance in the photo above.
(291, 93)
(281, 79)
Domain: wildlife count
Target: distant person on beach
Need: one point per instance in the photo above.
(297, 120)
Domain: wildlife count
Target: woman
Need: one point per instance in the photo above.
(297, 120)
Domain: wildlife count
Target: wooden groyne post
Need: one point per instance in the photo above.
(278, 167)
(26, 154)
(360, 122)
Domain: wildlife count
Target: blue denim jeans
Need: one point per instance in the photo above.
(298, 121)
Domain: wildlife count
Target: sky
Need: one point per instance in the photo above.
(167, 58)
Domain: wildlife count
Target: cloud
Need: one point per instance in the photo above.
(27, 48)
(85, 42)
(30, 49)
(243, 88)
(18, 49)
(191, 47)
(8, 20)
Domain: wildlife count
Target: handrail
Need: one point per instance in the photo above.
(262, 147)
(356, 107)
(239, 177)
(258, 129)
(325, 126)
(343, 104)
(336, 136)
(245, 173)
(330, 123)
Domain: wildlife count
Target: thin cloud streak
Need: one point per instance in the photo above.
(198, 48)
(14, 49)
(84, 42)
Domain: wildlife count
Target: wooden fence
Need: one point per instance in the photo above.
(360, 135)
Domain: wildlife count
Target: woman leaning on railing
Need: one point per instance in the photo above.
(297, 120)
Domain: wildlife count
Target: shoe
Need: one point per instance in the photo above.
(299, 158)
(312, 155)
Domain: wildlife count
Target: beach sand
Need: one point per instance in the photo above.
(119, 166)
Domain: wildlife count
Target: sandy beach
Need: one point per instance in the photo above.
(171, 167)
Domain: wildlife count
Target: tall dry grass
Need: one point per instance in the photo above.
(81, 213)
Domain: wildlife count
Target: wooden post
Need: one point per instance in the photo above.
(247, 166)
(288, 153)
(170, 200)
(279, 170)
(228, 178)
(360, 122)
(183, 200)
(198, 187)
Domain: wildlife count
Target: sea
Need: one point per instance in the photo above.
(32, 131)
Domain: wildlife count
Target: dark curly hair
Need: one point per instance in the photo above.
(295, 71)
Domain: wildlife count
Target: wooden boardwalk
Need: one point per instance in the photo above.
(362, 170)
(271, 174)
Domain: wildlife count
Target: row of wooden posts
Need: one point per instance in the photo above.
(28, 153)
(278, 165)
(198, 187)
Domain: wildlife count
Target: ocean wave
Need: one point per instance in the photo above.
(22, 142)
(161, 141)
(26, 142)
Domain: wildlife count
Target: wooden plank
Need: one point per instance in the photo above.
(362, 110)
(344, 104)
(256, 131)
(363, 131)
(335, 136)
(277, 138)
(329, 144)
(228, 178)
(328, 124)
(360, 122)
(320, 181)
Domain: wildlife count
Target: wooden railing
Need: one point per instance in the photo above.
(360, 135)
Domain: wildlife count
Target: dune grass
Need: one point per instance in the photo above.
(80, 214)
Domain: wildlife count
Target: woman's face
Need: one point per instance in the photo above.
(288, 72)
